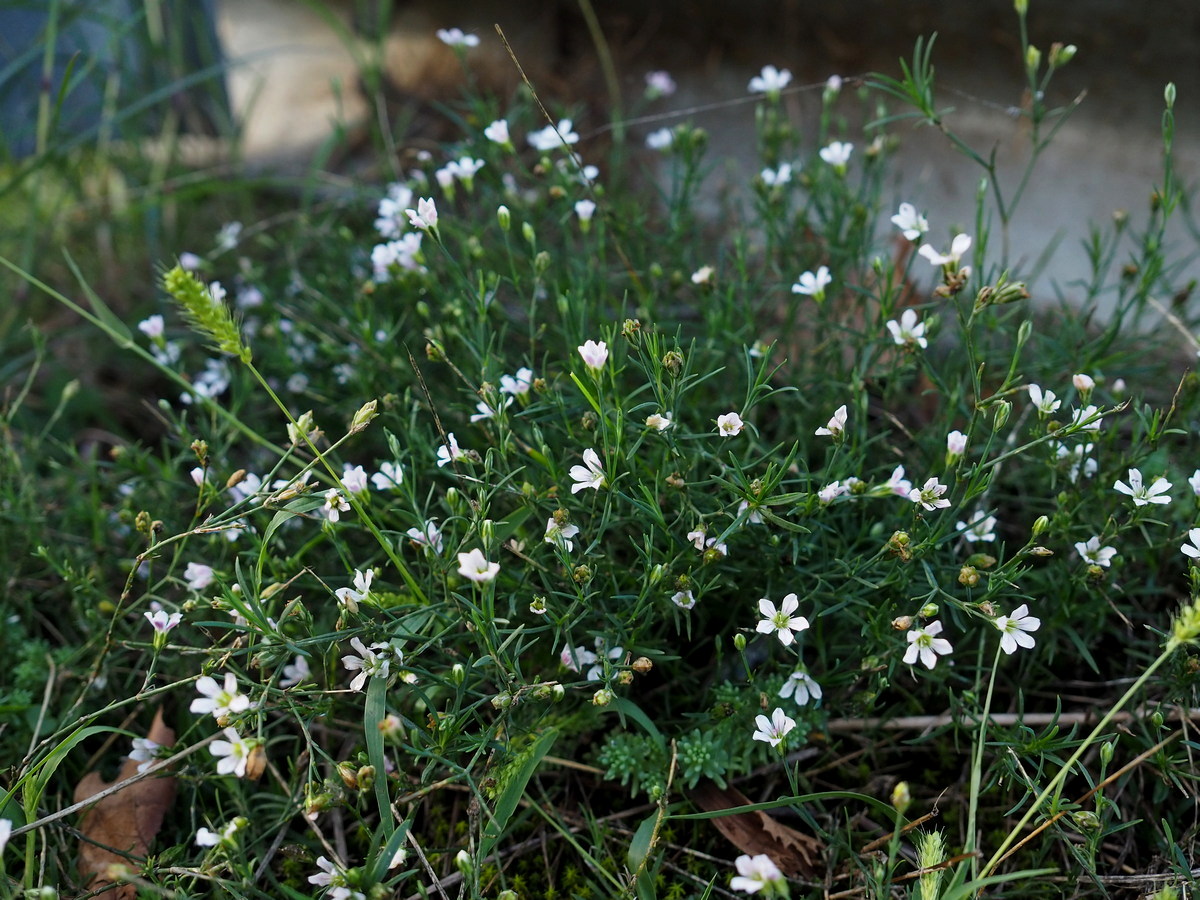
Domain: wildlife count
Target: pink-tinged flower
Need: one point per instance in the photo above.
(683, 599)
(219, 699)
(575, 658)
(836, 425)
(198, 576)
(368, 663)
(474, 566)
(498, 133)
(451, 452)
(697, 537)
(455, 37)
(198, 476)
(152, 327)
(560, 535)
(350, 597)
(1045, 401)
(898, 484)
(910, 222)
(590, 474)
(161, 621)
(234, 753)
(335, 505)
(1092, 553)
(908, 330)
(354, 478)
(1015, 629)
(956, 444)
(517, 385)
(930, 495)
(729, 424)
(831, 492)
(925, 644)
(389, 476)
(659, 421)
(837, 154)
(425, 216)
(802, 686)
(1192, 549)
(981, 527)
(770, 81)
(773, 730)
(813, 284)
(1142, 495)
(594, 354)
(1083, 383)
(780, 621)
(548, 138)
(756, 872)
(659, 84)
(429, 537)
(960, 245)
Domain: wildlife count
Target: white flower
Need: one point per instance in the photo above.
(349, 597)
(368, 663)
(697, 537)
(560, 535)
(755, 515)
(425, 216)
(755, 872)
(831, 492)
(703, 275)
(1079, 460)
(589, 475)
(1193, 549)
(1091, 552)
(517, 385)
(497, 133)
(781, 621)
(930, 495)
(389, 476)
(981, 527)
(1015, 629)
(960, 245)
(161, 621)
(773, 730)
(206, 838)
(910, 222)
(596, 672)
(908, 330)
(354, 478)
(575, 658)
(1045, 401)
(143, 753)
(770, 81)
(335, 505)
(1194, 481)
(729, 424)
(594, 354)
(659, 84)
(474, 566)
(956, 443)
(836, 425)
(429, 537)
(229, 235)
(1086, 418)
(683, 599)
(219, 699)
(1155, 493)
(198, 475)
(923, 642)
(549, 138)
(152, 327)
(585, 209)
(1083, 383)
(662, 139)
(454, 37)
(294, 673)
(813, 284)
(837, 154)
(234, 752)
(486, 411)
(898, 484)
(777, 177)
(659, 421)
(450, 451)
(5, 832)
(803, 686)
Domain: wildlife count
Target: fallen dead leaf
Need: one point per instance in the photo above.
(126, 821)
(795, 853)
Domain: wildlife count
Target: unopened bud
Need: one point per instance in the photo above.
(672, 361)
(462, 861)
(363, 417)
(739, 642)
(1169, 95)
(1041, 551)
(503, 217)
(541, 262)
(487, 531)
(1040, 524)
(529, 234)
(1061, 54)
(1033, 59)
(503, 700)
(582, 574)
(929, 610)
(458, 673)
(901, 798)
(1106, 752)
(1000, 417)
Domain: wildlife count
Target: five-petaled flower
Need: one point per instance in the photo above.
(1015, 629)
(455, 37)
(335, 505)
(425, 216)
(911, 222)
(729, 424)
(756, 873)
(594, 354)
(981, 527)
(770, 81)
(451, 452)
(219, 699)
(802, 686)
(560, 535)
(590, 474)
(837, 154)
(780, 620)
(548, 138)
(659, 421)
(773, 730)
(908, 330)
(1142, 495)
(368, 663)
(960, 245)
(198, 576)
(1045, 401)
(474, 566)
(498, 133)
(349, 597)
(930, 494)
(836, 425)
(162, 621)
(428, 537)
(925, 644)
(1192, 549)
(234, 753)
(813, 284)
(389, 476)
(1091, 552)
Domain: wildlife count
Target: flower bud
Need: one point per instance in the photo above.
(462, 861)
(1040, 524)
(1000, 417)
(1169, 95)
(739, 642)
(541, 262)
(929, 610)
(503, 217)
(582, 574)
(503, 700)
(672, 361)
(1021, 6)
(1041, 551)
(507, 895)
(1106, 752)
(529, 234)
(657, 573)
(1033, 59)
(363, 417)
(901, 798)
(1085, 819)
(456, 501)
(487, 532)
(1061, 54)
(458, 673)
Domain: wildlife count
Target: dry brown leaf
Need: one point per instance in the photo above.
(126, 821)
(796, 853)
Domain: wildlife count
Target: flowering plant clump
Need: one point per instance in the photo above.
(498, 525)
